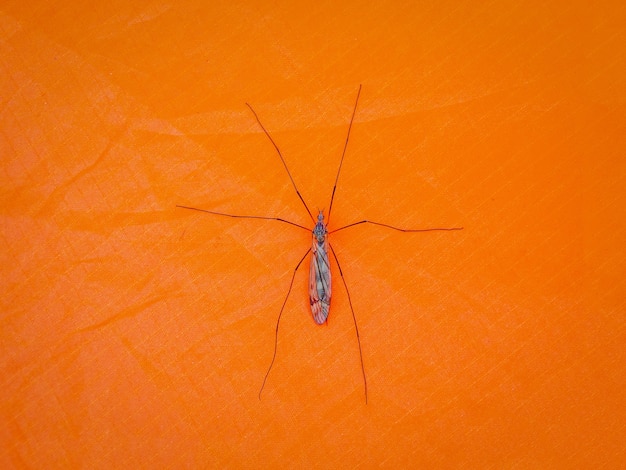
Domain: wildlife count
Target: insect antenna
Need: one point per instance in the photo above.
(332, 196)
(278, 323)
(282, 160)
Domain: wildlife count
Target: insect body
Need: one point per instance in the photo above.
(319, 274)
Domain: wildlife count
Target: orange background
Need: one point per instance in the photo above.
(137, 335)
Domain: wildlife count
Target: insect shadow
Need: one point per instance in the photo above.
(319, 272)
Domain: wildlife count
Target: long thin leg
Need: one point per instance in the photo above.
(282, 160)
(397, 228)
(356, 328)
(278, 322)
(244, 216)
(332, 196)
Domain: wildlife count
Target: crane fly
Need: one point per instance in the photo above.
(320, 250)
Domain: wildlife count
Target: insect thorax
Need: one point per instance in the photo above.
(319, 231)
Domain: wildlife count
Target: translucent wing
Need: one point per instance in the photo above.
(319, 280)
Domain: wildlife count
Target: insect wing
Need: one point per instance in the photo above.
(319, 280)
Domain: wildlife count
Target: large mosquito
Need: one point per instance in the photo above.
(319, 272)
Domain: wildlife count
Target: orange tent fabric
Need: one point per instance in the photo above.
(137, 335)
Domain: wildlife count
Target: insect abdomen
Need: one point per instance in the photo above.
(319, 281)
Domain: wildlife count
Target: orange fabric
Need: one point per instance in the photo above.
(136, 335)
